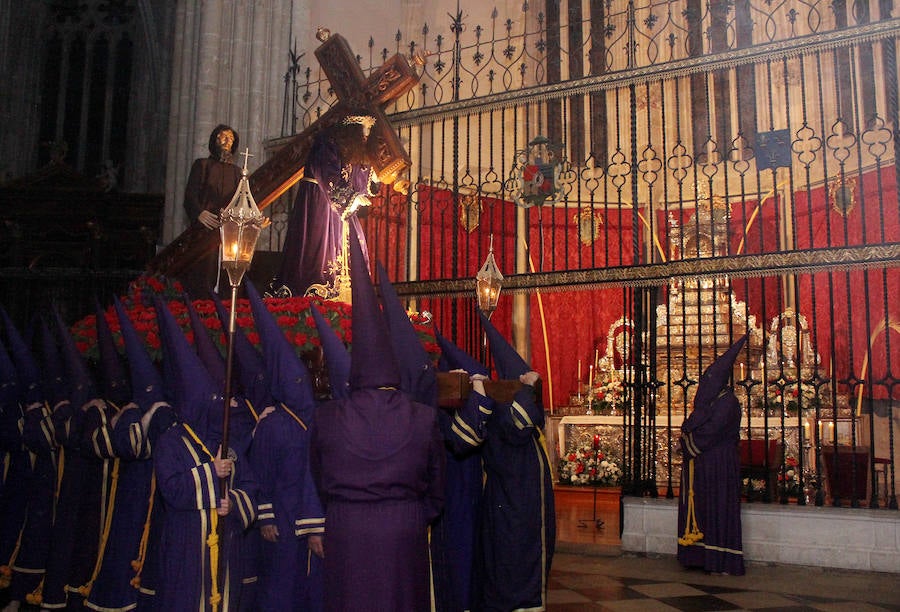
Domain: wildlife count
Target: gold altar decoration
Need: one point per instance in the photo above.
(469, 211)
(842, 194)
(587, 223)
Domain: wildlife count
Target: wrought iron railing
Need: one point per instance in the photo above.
(725, 168)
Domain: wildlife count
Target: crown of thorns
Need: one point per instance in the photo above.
(364, 120)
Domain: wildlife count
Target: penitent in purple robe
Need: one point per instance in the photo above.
(313, 239)
(190, 492)
(378, 461)
(709, 507)
(290, 575)
(710, 441)
(518, 529)
(122, 443)
(454, 534)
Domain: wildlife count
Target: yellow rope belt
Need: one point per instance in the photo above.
(692, 533)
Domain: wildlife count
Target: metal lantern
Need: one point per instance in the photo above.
(488, 283)
(241, 224)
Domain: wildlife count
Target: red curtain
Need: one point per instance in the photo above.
(858, 304)
(573, 324)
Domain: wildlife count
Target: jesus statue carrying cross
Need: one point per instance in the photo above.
(333, 194)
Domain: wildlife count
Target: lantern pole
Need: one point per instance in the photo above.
(241, 225)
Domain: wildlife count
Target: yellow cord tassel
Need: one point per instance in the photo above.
(213, 542)
(5, 576)
(36, 597)
(85, 589)
(692, 533)
(138, 564)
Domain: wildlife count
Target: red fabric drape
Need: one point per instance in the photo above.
(856, 304)
(575, 323)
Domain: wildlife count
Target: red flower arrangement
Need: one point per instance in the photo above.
(293, 315)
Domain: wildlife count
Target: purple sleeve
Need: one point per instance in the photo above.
(38, 432)
(312, 516)
(708, 427)
(264, 462)
(467, 425)
(127, 436)
(184, 472)
(527, 412)
(244, 495)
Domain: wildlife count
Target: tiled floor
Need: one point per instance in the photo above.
(621, 582)
(591, 573)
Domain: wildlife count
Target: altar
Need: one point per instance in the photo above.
(569, 429)
(569, 432)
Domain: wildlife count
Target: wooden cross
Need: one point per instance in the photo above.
(355, 93)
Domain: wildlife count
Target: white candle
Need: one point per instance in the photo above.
(590, 378)
(742, 370)
(579, 373)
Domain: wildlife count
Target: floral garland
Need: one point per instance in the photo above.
(795, 395)
(588, 466)
(293, 315)
(788, 481)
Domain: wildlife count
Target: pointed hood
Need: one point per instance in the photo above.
(205, 347)
(114, 378)
(9, 379)
(55, 381)
(291, 383)
(251, 369)
(458, 359)
(146, 383)
(507, 361)
(372, 362)
(192, 391)
(715, 378)
(337, 357)
(81, 383)
(418, 377)
(29, 373)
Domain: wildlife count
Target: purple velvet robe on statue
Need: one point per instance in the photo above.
(710, 438)
(313, 238)
(378, 460)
